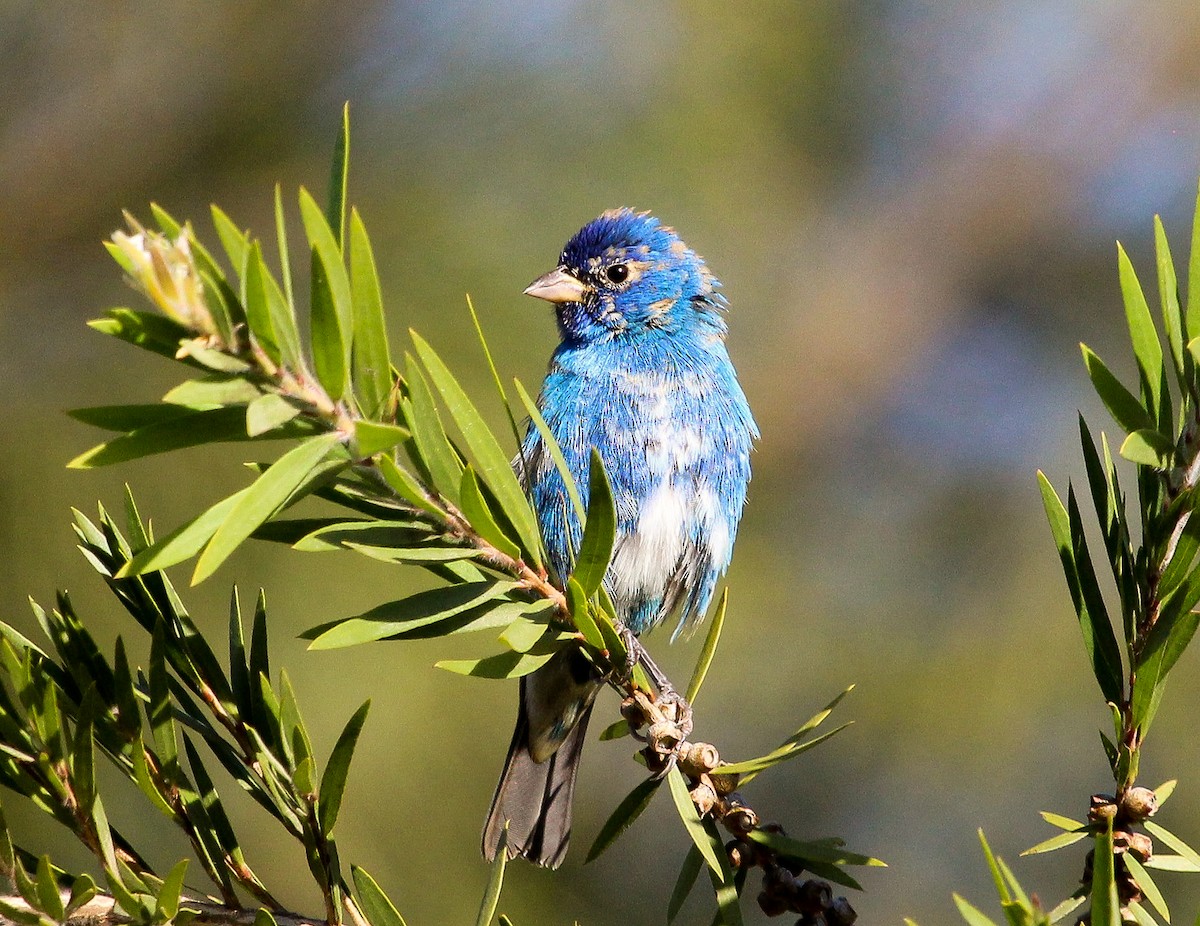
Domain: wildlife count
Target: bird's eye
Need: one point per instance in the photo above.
(617, 273)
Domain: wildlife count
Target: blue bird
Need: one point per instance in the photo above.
(643, 376)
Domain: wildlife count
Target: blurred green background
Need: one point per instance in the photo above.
(912, 206)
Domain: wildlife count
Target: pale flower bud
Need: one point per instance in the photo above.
(166, 272)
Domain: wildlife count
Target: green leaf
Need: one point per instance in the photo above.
(159, 711)
(379, 910)
(419, 610)
(1098, 637)
(1063, 823)
(206, 391)
(405, 485)
(822, 851)
(259, 316)
(182, 543)
(239, 674)
(150, 331)
(972, 915)
(1168, 297)
(284, 263)
(83, 889)
(337, 770)
(263, 499)
(145, 780)
(379, 534)
(330, 342)
(339, 177)
(132, 417)
(622, 817)
(1061, 841)
(1161, 862)
(487, 356)
(269, 412)
(333, 318)
(429, 435)
(615, 731)
(233, 239)
(1165, 790)
(556, 454)
(693, 864)
(599, 533)
(1165, 644)
(711, 850)
(371, 437)
(1193, 301)
(1142, 333)
(1148, 887)
(185, 428)
(501, 665)
(372, 359)
(1149, 448)
(493, 463)
(49, 900)
(1122, 404)
(726, 886)
(785, 752)
(491, 896)
(709, 650)
(1105, 905)
(585, 623)
(1172, 841)
(478, 514)
(172, 888)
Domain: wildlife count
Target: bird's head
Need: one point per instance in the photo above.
(626, 275)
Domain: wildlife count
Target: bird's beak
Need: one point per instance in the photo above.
(557, 286)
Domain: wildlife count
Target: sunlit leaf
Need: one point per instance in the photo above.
(262, 500)
(429, 435)
(332, 306)
(493, 464)
(556, 454)
(1143, 334)
(1168, 296)
(711, 850)
(709, 650)
(269, 412)
(475, 509)
(599, 533)
(1149, 448)
(372, 365)
(1122, 404)
(379, 909)
(337, 770)
(1148, 887)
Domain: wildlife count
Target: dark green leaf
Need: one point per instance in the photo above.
(263, 499)
(789, 750)
(478, 514)
(339, 178)
(130, 417)
(1164, 646)
(709, 650)
(375, 904)
(493, 463)
(417, 610)
(372, 361)
(1193, 302)
(239, 675)
(187, 429)
(333, 782)
(1122, 404)
(260, 662)
(822, 851)
(335, 535)
(693, 864)
(599, 532)
(159, 711)
(259, 316)
(623, 816)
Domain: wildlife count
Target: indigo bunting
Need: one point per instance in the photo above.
(643, 376)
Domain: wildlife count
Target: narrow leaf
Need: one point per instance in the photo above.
(333, 782)
(623, 816)
(1168, 297)
(599, 533)
(478, 514)
(693, 864)
(1149, 448)
(709, 650)
(1105, 905)
(262, 500)
(491, 895)
(372, 363)
(1122, 404)
(556, 454)
(1148, 887)
(379, 909)
(429, 435)
(711, 850)
(269, 412)
(339, 177)
(1146, 346)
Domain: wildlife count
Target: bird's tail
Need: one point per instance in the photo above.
(538, 782)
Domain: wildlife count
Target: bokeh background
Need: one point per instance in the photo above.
(913, 207)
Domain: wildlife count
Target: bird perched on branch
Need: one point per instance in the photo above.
(643, 376)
